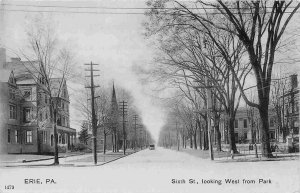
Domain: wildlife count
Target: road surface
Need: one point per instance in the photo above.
(153, 171)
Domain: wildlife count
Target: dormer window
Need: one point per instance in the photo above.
(42, 80)
(27, 95)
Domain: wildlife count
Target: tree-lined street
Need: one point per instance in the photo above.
(149, 96)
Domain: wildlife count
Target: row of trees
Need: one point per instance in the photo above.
(110, 122)
(213, 47)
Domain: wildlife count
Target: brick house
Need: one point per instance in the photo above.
(25, 114)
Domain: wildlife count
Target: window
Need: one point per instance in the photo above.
(12, 112)
(17, 140)
(63, 105)
(8, 135)
(63, 139)
(51, 142)
(272, 122)
(46, 116)
(236, 124)
(27, 95)
(245, 135)
(26, 114)
(58, 120)
(63, 121)
(28, 136)
(44, 137)
(59, 138)
(41, 116)
(245, 123)
(46, 99)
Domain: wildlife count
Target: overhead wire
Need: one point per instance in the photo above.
(102, 13)
(117, 8)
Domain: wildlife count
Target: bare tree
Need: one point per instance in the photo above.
(259, 25)
(49, 66)
(194, 52)
(278, 91)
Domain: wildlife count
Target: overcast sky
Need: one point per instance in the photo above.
(114, 41)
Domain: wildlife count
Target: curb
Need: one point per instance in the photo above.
(43, 159)
(107, 161)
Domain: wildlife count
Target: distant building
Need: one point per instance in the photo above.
(291, 105)
(25, 114)
(247, 126)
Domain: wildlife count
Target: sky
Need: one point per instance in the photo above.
(114, 41)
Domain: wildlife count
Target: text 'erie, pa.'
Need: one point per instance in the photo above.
(39, 181)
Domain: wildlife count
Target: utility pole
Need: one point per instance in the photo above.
(124, 111)
(135, 117)
(94, 119)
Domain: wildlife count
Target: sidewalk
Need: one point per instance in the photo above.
(74, 159)
(243, 156)
(23, 158)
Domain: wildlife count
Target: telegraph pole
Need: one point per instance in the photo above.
(94, 119)
(124, 111)
(135, 117)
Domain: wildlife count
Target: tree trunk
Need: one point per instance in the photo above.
(218, 136)
(112, 142)
(205, 137)
(195, 139)
(117, 142)
(200, 134)
(56, 160)
(104, 143)
(265, 141)
(191, 141)
(232, 144)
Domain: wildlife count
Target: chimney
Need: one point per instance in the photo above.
(2, 57)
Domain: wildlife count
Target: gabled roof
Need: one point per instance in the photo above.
(55, 84)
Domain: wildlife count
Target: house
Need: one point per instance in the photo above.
(247, 126)
(25, 125)
(290, 99)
